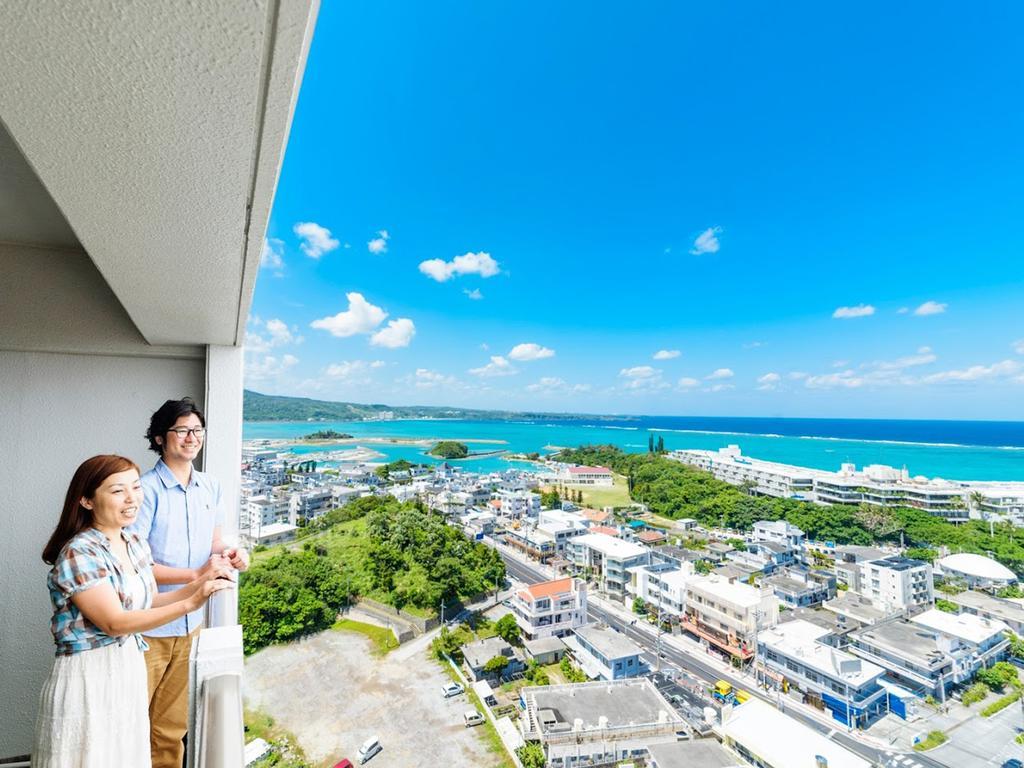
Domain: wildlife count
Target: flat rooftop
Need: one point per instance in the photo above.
(802, 640)
(609, 545)
(609, 642)
(1007, 610)
(904, 639)
(780, 740)
(856, 606)
(633, 702)
(964, 626)
(732, 592)
(705, 753)
(898, 563)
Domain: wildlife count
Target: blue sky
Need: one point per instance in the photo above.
(814, 211)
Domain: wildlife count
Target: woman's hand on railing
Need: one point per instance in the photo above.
(217, 578)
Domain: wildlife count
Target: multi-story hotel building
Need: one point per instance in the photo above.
(606, 559)
(551, 608)
(795, 654)
(875, 484)
(897, 583)
(728, 614)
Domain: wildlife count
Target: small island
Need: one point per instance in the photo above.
(328, 434)
(449, 449)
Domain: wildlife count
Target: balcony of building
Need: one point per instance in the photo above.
(140, 146)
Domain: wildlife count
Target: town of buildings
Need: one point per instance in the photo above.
(849, 630)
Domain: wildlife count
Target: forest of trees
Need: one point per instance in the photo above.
(450, 449)
(407, 556)
(675, 490)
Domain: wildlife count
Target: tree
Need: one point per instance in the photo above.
(450, 449)
(496, 665)
(639, 606)
(702, 567)
(531, 755)
(650, 443)
(998, 676)
(508, 629)
(661, 444)
(550, 499)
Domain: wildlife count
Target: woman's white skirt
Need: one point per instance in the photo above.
(94, 710)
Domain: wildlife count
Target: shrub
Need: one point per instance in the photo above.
(933, 739)
(1000, 704)
(974, 694)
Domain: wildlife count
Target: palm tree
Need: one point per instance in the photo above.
(977, 498)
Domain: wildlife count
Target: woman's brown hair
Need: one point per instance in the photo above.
(75, 518)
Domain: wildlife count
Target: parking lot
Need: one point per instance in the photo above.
(333, 695)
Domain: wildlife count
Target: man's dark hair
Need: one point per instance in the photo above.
(165, 416)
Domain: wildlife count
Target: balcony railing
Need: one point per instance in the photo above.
(216, 729)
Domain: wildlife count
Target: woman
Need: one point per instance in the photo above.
(93, 707)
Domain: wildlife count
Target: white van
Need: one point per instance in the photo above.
(472, 717)
(370, 748)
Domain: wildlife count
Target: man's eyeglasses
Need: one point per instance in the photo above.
(183, 433)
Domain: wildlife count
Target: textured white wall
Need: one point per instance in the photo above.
(55, 411)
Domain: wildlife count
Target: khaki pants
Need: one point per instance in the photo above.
(167, 668)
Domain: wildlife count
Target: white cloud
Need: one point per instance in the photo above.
(360, 317)
(379, 244)
(526, 352)
(666, 354)
(639, 372)
(720, 373)
(427, 379)
(923, 357)
(840, 363)
(643, 378)
(848, 379)
(273, 254)
(467, 264)
(475, 294)
(902, 310)
(1018, 346)
(720, 387)
(796, 375)
(707, 241)
(484, 346)
(753, 344)
(346, 369)
(976, 372)
(279, 332)
(268, 367)
(930, 308)
(398, 333)
(316, 240)
(548, 384)
(861, 310)
(769, 381)
(498, 366)
(686, 382)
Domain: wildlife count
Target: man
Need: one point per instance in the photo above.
(181, 518)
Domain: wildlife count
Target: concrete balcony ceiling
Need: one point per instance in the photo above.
(150, 135)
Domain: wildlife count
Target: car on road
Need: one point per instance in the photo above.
(1013, 762)
(452, 689)
(346, 763)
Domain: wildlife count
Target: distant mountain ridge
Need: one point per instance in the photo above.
(260, 407)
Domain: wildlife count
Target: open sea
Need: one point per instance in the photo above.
(956, 450)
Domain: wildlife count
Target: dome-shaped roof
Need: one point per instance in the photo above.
(978, 566)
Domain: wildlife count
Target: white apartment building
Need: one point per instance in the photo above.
(796, 652)
(728, 614)
(551, 608)
(661, 585)
(309, 504)
(778, 532)
(876, 484)
(265, 510)
(560, 526)
(581, 475)
(518, 504)
(606, 559)
(897, 583)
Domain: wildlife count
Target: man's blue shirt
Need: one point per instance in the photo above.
(178, 523)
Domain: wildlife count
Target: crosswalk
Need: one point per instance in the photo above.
(895, 760)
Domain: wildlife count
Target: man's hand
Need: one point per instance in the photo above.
(238, 558)
(216, 561)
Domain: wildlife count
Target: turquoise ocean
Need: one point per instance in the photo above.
(948, 449)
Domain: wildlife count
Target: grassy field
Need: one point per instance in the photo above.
(616, 496)
(383, 639)
(287, 752)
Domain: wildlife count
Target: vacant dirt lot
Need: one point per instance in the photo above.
(333, 695)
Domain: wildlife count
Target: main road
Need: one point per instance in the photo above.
(530, 574)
